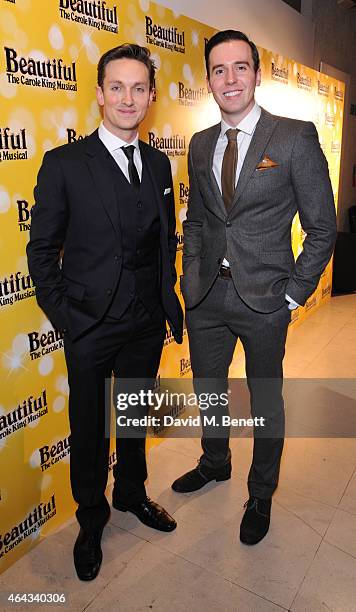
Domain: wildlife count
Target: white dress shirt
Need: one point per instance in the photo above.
(247, 129)
(114, 145)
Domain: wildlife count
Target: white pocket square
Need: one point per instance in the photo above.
(167, 190)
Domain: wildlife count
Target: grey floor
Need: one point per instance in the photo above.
(307, 562)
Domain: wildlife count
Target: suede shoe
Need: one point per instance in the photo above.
(200, 476)
(88, 554)
(255, 522)
(149, 513)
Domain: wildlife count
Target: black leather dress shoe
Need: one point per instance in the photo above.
(149, 513)
(87, 554)
(200, 476)
(255, 521)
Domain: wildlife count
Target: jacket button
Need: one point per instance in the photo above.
(117, 258)
(109, 292)
(139, 229)
(139, 204)
(228, 223)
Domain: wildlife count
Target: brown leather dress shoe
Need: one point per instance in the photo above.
(149, 513)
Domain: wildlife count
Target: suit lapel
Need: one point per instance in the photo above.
(102, 177)
(263, 132)
(148, 166)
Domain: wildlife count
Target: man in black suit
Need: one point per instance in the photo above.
(108, 202)
(249, 175)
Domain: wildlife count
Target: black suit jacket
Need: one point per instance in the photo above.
(76, 210)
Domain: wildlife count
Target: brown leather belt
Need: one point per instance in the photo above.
(225, 272)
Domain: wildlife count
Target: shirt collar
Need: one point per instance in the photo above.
(112, 142)
(247, 124)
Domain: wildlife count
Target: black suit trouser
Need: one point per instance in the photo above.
(214, 326)
(129, 347)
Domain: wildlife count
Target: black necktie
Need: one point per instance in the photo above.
(133, 174)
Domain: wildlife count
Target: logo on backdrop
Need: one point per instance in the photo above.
(183, 194)
(45, 343)
(322, 144)
(326, 291)
(38, 516)
(167, 38)
(173, 146)
(46, 73)
(184, 367)
(112, 460)
(188, 96)
(16, 287)
(23, 215)
(72, 136)
(279, 74)
(169, 336)
(50, 455)
(329, 119)
(93, 13)
(311, 303)
(294, 316)
(27, 411)
(180, 241)
(12, 1)
(323, 89)
(335, 146)
(338, 93)
(304, 82)
(13, 145)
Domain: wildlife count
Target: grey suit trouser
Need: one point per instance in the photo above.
(214, 327)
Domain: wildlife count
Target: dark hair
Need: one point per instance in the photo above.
(128, 51)
(226, 36)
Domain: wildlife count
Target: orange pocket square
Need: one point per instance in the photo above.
(267, 162)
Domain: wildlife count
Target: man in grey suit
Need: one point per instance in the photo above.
(249, 176)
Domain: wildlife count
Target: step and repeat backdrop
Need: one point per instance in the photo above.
(48, 57)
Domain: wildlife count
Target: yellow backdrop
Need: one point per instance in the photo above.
(48, 57)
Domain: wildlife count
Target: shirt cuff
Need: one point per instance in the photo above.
(292, 304)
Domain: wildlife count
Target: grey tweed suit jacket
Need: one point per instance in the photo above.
(256, 234)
